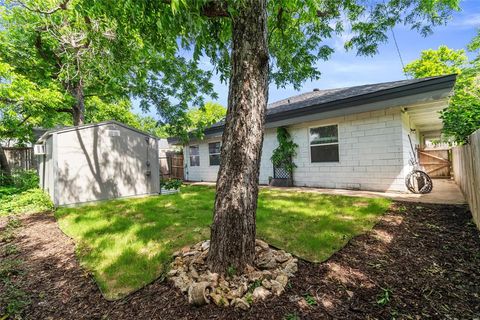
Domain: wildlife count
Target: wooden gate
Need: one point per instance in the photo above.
(174, 167)
(436, 162)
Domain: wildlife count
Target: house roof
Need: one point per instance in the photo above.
(318, 101)
(47, 134)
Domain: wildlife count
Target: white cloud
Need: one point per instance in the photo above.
(466, 21)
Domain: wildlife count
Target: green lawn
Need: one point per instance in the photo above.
(128, 243)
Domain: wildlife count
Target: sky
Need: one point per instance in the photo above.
(345, 69)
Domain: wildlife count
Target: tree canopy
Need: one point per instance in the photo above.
(462, 116)
(298, 30)
(93, 63)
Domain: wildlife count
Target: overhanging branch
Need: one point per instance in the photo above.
(61, 6)
(212, 9)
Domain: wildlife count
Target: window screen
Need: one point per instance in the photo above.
(324, 144)
(194, 156)
(214, 153)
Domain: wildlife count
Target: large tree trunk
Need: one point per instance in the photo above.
(233, 229)
(5, 167)
(79, 107)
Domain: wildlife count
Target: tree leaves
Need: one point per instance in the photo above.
(462, 116)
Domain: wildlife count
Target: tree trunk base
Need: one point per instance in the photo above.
(267, 276)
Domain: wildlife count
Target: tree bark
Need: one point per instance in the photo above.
(233, 229)
(5, 167)
(79, 107)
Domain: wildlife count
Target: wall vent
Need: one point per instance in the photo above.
(113, 133)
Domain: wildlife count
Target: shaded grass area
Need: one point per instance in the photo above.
(128, 243)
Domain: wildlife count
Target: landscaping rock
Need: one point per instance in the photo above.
(260, 293)
(277, 287)
(241, 304)
(282, 279)
(199, 293)
(205, 245)
(266, 260)
(290, 267)
(266, 283)
(261, 244)
(269, 275)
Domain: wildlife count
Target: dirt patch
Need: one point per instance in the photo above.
(419, 261)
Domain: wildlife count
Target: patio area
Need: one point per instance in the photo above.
(445, 191)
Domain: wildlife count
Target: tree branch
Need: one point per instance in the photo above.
(65, 110)
(8, 100)
(61, 6)
(213, 9)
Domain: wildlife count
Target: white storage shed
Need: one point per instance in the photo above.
(95, 162)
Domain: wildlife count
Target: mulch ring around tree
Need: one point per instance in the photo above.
(419, 261)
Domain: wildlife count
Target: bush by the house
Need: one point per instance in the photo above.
(171, 184)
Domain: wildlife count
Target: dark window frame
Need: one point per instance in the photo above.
(323, 145)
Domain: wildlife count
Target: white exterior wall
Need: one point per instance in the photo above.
(371, 154)
(45, 169)
(203, 172)
(407, 126)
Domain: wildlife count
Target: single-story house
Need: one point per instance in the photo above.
(97, 162)
(353, 138)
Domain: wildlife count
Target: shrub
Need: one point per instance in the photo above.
(25, 179)
(20, 179)
(171, 184)
(29, 201)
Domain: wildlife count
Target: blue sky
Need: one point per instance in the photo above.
(345, 69)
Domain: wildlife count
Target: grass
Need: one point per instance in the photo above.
(128, 243)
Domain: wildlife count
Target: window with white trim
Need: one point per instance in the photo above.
(214, 153)
(194, 156)
(324, 144)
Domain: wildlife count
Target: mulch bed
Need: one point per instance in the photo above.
(419, 261)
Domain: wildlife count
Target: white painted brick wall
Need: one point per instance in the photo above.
(371, 149)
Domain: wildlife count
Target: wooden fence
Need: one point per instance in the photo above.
(171, 165)
(466, 170)
(20, 158)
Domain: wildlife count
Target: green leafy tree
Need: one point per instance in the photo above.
(196, 120)
(23, 105)
(252, 43)
(76, 48)
(462, 116)
(98, 110)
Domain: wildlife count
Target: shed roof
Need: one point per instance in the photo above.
(47, 134)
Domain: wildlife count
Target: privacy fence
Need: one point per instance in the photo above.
(20, 158)
(466, 169)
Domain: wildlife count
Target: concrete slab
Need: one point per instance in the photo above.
(444, 191)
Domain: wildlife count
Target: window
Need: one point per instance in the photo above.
(214, 152)
(194, 156)
(324, 144)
